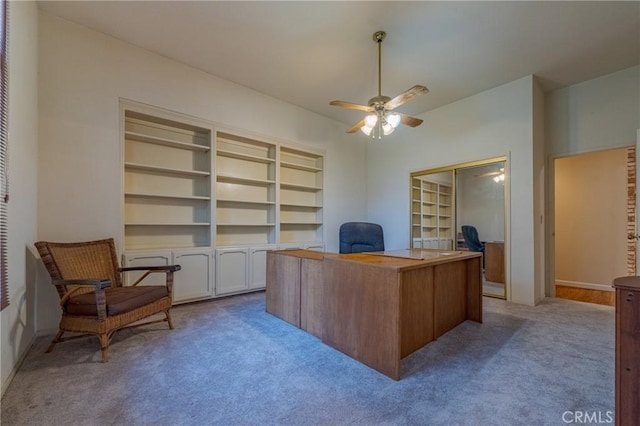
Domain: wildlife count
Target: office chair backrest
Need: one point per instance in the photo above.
(470, 234)
(358, 237)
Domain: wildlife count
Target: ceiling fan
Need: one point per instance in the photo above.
(382, 120)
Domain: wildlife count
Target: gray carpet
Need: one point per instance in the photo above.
(228, 362)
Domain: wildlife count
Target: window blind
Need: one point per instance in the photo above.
(4, 186)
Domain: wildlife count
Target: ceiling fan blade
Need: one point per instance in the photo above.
(409, 121)
(356, 126)
(351, 105)
(405, 97)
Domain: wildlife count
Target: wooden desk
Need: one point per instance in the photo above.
(294, 288)
(376, 309)
(494, 261)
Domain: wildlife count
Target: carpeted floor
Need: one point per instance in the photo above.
(228, 362)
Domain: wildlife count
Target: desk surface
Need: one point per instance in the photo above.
(398, 260)
(398, 263)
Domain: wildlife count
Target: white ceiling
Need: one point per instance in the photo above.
(310, 53)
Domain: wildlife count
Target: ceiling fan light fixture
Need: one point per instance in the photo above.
(393, 119)
(366, 130)
(387, 128)
(371, 120)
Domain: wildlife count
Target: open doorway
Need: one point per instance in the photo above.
(591, 219)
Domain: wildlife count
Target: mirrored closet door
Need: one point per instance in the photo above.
(462, 207)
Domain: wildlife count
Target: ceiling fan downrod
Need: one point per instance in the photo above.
(378, 37)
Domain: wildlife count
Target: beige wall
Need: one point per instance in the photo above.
(590, 218)
(603, 113)
(83, 74)
(495, 123)
(17, 320)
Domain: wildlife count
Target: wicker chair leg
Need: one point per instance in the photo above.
(168, 314)
(104, 345)
(55, 340)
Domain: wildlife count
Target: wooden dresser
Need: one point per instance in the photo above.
(627, 350)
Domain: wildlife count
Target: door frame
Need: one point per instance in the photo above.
(550, 279)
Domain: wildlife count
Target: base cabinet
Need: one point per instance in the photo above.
(240, 269)
(192, 282)
(195, 278)
(627, 350)
(258, 267)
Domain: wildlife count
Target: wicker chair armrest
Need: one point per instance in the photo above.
(95, 282)
(168, 269)
(162, 268)
(98, 284)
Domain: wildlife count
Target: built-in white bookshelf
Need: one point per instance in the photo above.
(194, 193)
(245, 191)
(431, 217)
(167, 183)
(301, 196)
(167, 197)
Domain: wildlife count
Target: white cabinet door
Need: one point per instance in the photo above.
(146, 258)
(193, 281)
(258, 267)
(232, 270)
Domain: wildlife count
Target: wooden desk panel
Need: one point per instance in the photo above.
(381, 309)
(416, 310)
(295, 288)
(474, 289)
(361, 314)
(450, 296)
(311, 296)
(494, 261)
(283, 287)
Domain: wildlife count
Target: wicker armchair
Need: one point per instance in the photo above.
(92, 297)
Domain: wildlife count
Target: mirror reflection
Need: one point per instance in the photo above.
(462, 207)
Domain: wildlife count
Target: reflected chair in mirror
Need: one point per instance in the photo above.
(472, 241)
(358, 237)
(93, 300)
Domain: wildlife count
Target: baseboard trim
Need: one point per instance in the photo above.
(591, 286)
(18, 364)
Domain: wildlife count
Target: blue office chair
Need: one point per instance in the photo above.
(358, 237)
(471, 239)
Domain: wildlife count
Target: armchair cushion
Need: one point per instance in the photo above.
(119, 300)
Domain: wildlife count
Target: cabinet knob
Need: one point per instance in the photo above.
(629, 297)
